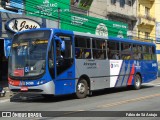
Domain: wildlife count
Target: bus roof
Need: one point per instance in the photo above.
(90, 35)
(93, 35)
(130, 41)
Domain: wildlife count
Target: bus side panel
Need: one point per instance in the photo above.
(97, 70)
(118, 69)
(121, 72)
(149, 70)
(65, 82)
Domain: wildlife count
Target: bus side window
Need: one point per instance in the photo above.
(99, 48)
(77, 52)
(146, 52)
(153, 53)
(87, 53)
(80, 53)
(126, 51)
(113, 50)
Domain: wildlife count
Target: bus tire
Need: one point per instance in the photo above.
(81, 89)
(137, 82)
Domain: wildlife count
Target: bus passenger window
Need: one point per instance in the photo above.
(77, 52)
(116, 56)
(99, 49)
(87, 53)
(81, 54)
(113, 50)
(103, 54)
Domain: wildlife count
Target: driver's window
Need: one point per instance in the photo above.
(58, 50)
(51, 60)
(64, 53)
(51, 56)
(68, 50)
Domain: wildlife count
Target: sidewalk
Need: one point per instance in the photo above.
(4, 84)
(9, 94)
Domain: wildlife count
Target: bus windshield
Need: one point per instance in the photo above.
(28, 54)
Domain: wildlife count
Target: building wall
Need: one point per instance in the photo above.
(6, 34)
(100, 8)
(126, 14)
(157, 14)
(146, 23)
(157, 9)
(7, 16)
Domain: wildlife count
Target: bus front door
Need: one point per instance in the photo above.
(65, 70)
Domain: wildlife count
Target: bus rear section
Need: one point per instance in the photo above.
(136, 62)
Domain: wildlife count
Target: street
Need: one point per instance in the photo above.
(120, 99)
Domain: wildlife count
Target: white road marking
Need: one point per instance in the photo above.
(153, 84)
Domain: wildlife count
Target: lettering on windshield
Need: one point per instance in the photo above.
(26, 43)
(40, 42)
(20, 44)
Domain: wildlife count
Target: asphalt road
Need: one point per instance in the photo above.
(125, 103)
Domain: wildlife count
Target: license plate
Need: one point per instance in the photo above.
(24, 88)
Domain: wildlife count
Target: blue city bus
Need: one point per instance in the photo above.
(58, 62)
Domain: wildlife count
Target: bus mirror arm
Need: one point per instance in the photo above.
(61, 42)
(57, 39)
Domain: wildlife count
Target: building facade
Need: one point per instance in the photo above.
(12, 23)
(117, 10)
(157, 14)
(146, 19)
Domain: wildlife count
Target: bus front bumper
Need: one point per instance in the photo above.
(47, 88)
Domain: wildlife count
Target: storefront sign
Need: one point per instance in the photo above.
(48, 9)
(87, 24)
(20, 24)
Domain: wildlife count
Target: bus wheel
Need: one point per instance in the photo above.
(137, 82)
(81, 89)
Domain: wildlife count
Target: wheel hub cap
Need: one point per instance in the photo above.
(81, 87)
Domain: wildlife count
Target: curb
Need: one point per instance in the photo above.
(7, 96)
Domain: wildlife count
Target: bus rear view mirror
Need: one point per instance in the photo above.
(7, 46)
(59, 42)
(57, 39)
